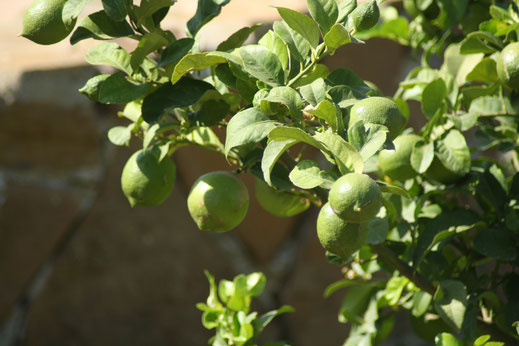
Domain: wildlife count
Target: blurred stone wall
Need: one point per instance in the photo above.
(79, 266)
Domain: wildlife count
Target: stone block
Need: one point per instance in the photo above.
(32, 222)
(129, 276)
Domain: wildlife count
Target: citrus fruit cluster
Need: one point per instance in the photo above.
(353, 201)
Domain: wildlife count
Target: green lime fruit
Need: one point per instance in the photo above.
(365, 15)
(378, 110)
(355, 197)
(145, 180)
(280, 203)
(43, 23)
(338, 236)
(396, 164)
(508, 65)
(218, 201)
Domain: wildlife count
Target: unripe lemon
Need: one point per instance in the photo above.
(378, 110)
(338, 236)
(396, 164)
(43, 23)
(508, 65)
(280, 203)
(218, 201)
(355, 197)
(146, 181)
(365, 15)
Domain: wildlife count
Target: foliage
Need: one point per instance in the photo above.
(227, 310)
(444, 244)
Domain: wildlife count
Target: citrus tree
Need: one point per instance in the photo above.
(424, 220)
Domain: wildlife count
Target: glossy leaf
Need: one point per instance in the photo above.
(275, 44)
(109, 54)
(247, 127)
(262, 64)
(433, 96)
(337, 37)
(272, 152)
(120, 135)
(327, 111)
(72, 9)
(115, 9)
(237, 38)
(451, 302)
(422, 156)
(100, 27)
(297, 44)
(306, 174)
(175, 51)
(288, 97)
(117, 89)
(302, 24)
(324, 12)
(314, 92)
(205, 12)
(147, 44)
(346, 157)
(194, 62)
(185, 92)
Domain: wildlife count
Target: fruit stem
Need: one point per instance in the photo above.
(390, 258)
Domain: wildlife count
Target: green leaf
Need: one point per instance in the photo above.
(433, 96)
(261, 322)
(117, 89)
(394, 190)
(324, 12)
(378, 228)
(149, 7)
(288, 97)
(283, 133)
(497, 243)
(72, 9)
(306, 174)
(327, 111)
(194, 62)
(345, 8)
(205, 12)
(446, 339)
(91, 87)
(451, 302)
(422, 156)
(247, 127)
(367, 138)
(302, 24)
(109, 54)
(210, 113)
(276, 45)
(346, 157)
(120, 135)
(185, 92)
(256, 283)
(297, 44)
(100, 27)
(337, 37)
(355, 304)
(314, 92)
(394, 288)
(271, 154)
(421, 302)
(175, 51)
(210, 318)
(212, 299)
(115, 9)
(488, 106)
(453, 152)
(484, 71)
(343, 76)
(480, 42)
(262, 64)
(147, 44)
(238, 38)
